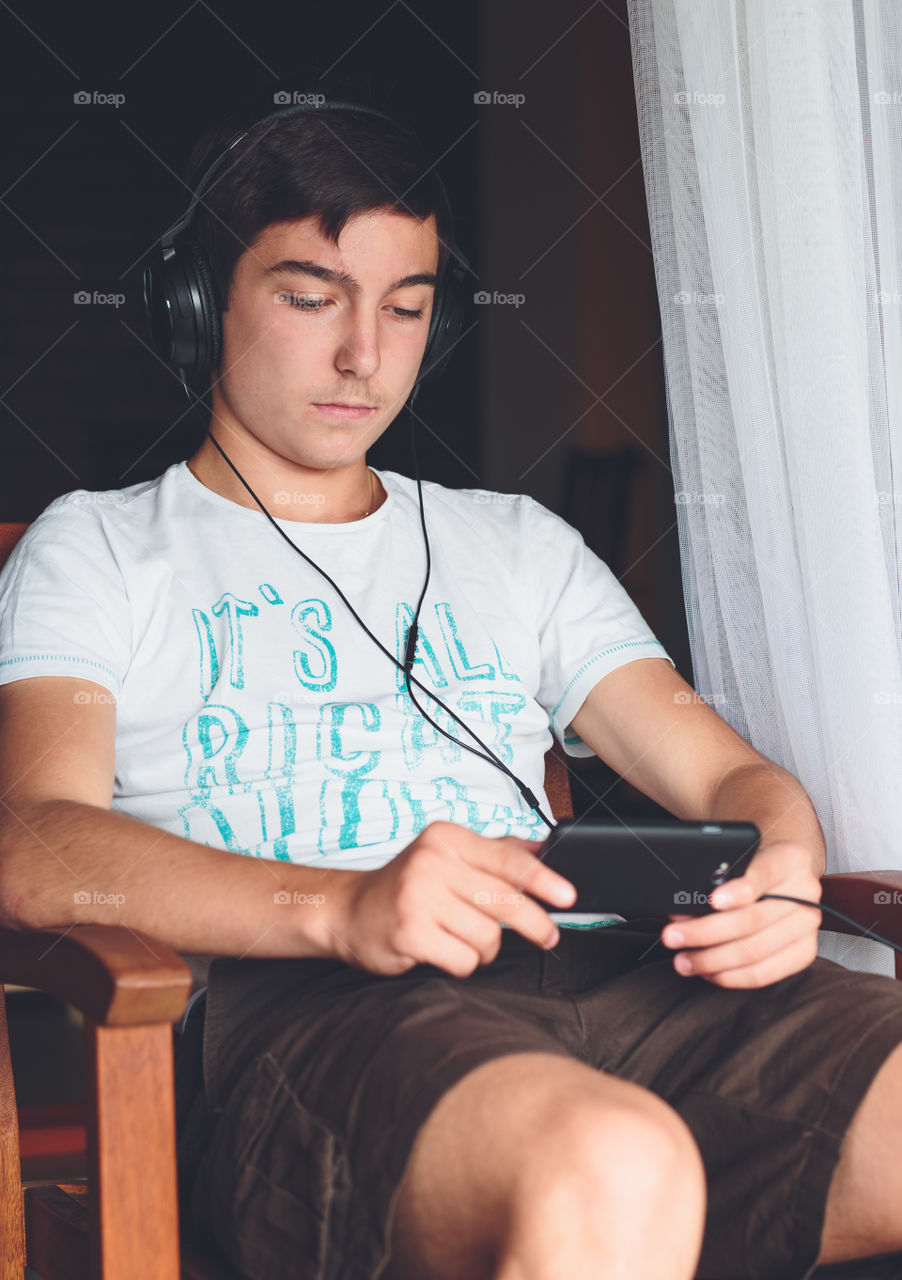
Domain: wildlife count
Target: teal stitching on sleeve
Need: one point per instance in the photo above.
(58, 657)
(627, 644)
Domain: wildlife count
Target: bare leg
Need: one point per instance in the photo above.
(535, 1166)
(864, 1206)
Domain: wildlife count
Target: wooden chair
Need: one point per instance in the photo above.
(121, 1222)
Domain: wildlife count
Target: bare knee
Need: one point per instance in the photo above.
(528, 1140)
(623, 1149)
(615, 1188)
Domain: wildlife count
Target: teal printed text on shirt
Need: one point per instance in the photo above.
(354, 802)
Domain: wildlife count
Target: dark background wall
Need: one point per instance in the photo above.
(548, 192)
(90, 186)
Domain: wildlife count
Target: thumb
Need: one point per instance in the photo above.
(741, 891)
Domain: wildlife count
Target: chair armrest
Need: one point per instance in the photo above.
(873, 898)
(115, 976)
(129, 986)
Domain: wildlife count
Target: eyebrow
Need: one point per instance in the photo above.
(290, 266)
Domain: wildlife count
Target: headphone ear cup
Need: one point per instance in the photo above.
(448, 315)
(208, 318)
(182, 309)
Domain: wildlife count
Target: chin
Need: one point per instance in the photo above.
(343, 454)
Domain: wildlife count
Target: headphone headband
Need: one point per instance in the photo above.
(180, 296)
(295, 108)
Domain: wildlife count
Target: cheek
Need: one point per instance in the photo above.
(261, 347)
(263, 351)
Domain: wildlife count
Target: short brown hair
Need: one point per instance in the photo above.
(317, 162)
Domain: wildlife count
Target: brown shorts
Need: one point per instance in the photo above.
(317, 1077)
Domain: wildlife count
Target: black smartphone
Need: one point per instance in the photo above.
(661, 866)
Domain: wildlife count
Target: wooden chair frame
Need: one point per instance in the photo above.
(121, 1223)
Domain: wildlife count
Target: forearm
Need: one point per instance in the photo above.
(776, 802)
(63, 862)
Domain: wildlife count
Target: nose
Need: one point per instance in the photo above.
(358, 344)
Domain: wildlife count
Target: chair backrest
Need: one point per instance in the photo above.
(597, 493)
(557, 781)
(9, 536)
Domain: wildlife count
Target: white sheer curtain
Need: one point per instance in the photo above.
(771, 138)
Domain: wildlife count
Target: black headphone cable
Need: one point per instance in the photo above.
(412, 633)
(410, 678)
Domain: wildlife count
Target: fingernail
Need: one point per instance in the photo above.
(674, 938)
(722, 898)
(553, 940)
(683, 964)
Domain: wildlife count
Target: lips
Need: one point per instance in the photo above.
(339, 410)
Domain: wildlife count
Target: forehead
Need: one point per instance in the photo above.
(375, 241)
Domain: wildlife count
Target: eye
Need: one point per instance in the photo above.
(313, 305)
(302, 303)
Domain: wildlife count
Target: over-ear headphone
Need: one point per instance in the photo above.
(180, 295)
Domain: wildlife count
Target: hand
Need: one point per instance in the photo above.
(440, 901)
(751, 943)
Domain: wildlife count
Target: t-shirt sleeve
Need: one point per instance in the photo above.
(64, 609)
(587, 624)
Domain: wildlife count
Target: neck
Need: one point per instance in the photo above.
(288, 492)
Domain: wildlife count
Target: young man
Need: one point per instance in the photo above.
(394, 1084)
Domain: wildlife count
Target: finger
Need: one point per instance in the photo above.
(453, 935)
(791, 959)
(504, 904)
(774, 865)
(724, 926)
(505, 857)
(747, 950)
(449, 951)
(526, 870)
(473, 927)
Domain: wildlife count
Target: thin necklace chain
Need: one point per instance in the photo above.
(372, 497)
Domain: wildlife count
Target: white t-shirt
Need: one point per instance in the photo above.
(254, 713)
